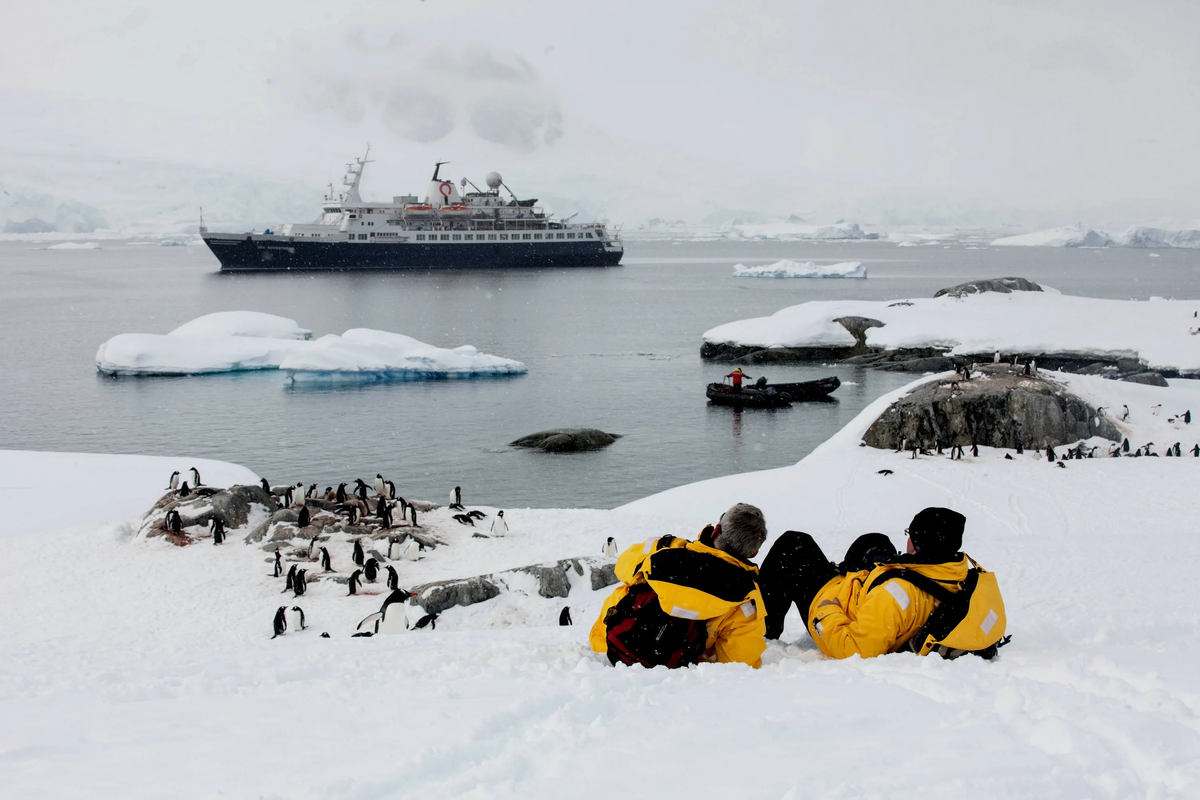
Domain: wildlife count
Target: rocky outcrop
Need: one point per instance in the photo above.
(1001, 285)
(1000, 407)
(567, 440)
(1148, 378)
(551, 579)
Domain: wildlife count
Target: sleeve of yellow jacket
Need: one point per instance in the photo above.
(740, 635)
(888, 616)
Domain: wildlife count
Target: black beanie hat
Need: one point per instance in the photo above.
(937, 532)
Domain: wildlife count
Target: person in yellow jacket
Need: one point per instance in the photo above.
(854, 608)
(681, 601)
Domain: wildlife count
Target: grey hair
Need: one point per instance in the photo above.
(743, 530)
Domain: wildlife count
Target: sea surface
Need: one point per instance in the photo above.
(616, 349)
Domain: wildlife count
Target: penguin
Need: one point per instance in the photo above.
(412, 510)
(304, 518)
(291, 580)
(1007, 456)
(1033, 366)
(361, 490)
(359, 556)
(1020, 449)
(996, 360)
(354, 581)
(394, 550)
(880, 472)
(1061, 464)
(974, 450)
(391, 490)
(278, 565)
(384, 512)
(280, 623)
(174, 482)
(329, 496)
(1196, 451)
(301, 584)
(324, 634)
(298, 493)
(195, 476)
(1027, 370)
(476, 514)
(174, 523)
(463, 519)
(393, 579)
(326, 562)
(296, 615)
(939, 449)
(313, 551)
(352, 513)
(1156, 409)
(456, 497)
(380, 485)
(564, 617)
(1125, 416)
(1187, 417)
(217, 528)
(341, 496)
(287, 497)
(499, 525)
(312, 492)
(371, 570)
(1170, 452)
(413, 551)
(427, 621)
(1125, 445)
(362, 634)
(610, 546)
(266, 486)
(184, 491)
(1050, 454)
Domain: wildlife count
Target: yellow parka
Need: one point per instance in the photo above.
(736, 626)
(882, 620)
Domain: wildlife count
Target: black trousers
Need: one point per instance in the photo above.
(796, 569)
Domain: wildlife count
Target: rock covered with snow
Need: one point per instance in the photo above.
(567, 440)
(1070, 236)
(807, 269)
(1002, 285)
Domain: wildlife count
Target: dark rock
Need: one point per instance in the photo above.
(1002, 285)
(551, 577)
(857, 327)
(1148, 378)
(603, 575)
(233, 506)
(1130, 365)
(1002, 410)
(932, 364)
(567, 440)
(436, 598)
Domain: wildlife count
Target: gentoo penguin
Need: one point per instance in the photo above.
(380, 486)
(1187, 417)
(341, 495)
(296, 618)
(371, 570)
(604, 549)
(384, 512)
(313, 550)
(1170, 452)
(278, 565)
(291, 579)
(412, 511)
(1028, 370)
(304, 517)
(359, 556)
(287, 497)
(1008, 456)
(427, 621)
(456, 497)
(329, 496)
(195, 476)
(1125, 416)
(564, 618)
(413, 551)
(352, 513)
(301, 584)
(463, 519)
(391, 490)
(1033, 365)
(1062, 464)
(1196, 450)
(1125, 445)
(610, 547)
(174, 523)
(280, 623)
(996, 360)
(1050, 454)
(1156, 409)
(184, 491)
(312, 492)
(394, 550)
(266, 486)
(476, 514)
(393, 579)
(499, 525)
(939, 449)
(217, 528)
(174, 481)
(1020, 449)
(354, 581)
(326, 563)
(298, 494)
(361, 489)
(974, 450)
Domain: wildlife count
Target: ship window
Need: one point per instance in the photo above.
(504, 237)
(588, 235)
(491, 237)
(457, 237)
(559, 236)
(537, 236)
(469, 237)
(570, 236)
(362, 237)
(525, 235)
(445, 237)
(420, 237)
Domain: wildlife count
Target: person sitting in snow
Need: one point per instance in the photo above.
(679, 601)
(842, 616)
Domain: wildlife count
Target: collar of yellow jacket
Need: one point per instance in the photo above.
(691, 586)
(947, 572)
(699, 547)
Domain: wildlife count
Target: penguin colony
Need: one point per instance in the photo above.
(372, 523)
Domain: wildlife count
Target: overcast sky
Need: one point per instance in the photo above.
(1067, 109)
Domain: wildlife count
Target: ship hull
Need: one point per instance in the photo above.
(267, 253)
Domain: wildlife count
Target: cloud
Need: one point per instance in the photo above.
(417, 115)
(516, 123)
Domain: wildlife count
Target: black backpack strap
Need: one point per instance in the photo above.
(925, 584)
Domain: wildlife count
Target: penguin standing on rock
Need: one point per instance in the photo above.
(265, 486)
(218, 530)
(341, 496)
(174, 523)
(304, 518)
(312, 492)
(384, 512)
(287, 497)
(610, 547)
(174, 482)
(359, 556)
(380, 485)
(195, 476)
(184, 490)
(391, 490)
(499, 525)
(280, 623)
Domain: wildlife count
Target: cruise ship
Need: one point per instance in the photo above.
(449, 227)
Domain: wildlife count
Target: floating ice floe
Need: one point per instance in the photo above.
(1164, 334)
(75, 246)
(807, 269)
(238, 341)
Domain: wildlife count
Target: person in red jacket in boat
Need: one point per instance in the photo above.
(736, 376)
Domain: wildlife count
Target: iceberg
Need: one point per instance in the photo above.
(239, 341)
(1070, 236)
(75, 246)
(795, 230)
(1140, 236)
(807, 269)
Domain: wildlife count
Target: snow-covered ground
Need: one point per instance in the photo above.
(806, 269)
(138, 669)
(1162, 333)
(234, 341)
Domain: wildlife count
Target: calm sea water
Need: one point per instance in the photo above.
(616, 349)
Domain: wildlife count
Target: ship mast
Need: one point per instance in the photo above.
(354, 176)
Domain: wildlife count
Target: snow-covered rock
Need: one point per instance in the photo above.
(1157, 332)
(1070, 236)
(807, 269)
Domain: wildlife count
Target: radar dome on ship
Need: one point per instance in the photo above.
(494, 180)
